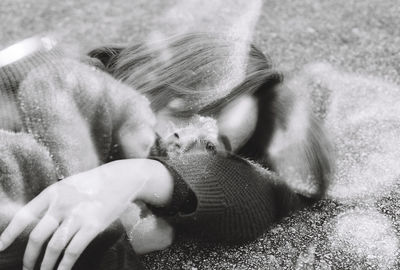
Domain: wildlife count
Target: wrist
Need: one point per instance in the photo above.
(145, 180)
(159, 186)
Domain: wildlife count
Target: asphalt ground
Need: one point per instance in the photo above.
(345, 54)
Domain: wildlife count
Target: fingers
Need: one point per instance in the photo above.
(25, 216)
(39, 235)
(77, 245)
(17, 225)
(58, 243)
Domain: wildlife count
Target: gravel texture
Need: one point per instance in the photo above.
(345, 53)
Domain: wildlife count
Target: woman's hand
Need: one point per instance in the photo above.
(71, 212)
(74, 211)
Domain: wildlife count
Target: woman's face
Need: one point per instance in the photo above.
(236, 121)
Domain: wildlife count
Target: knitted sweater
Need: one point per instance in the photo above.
(58, 118)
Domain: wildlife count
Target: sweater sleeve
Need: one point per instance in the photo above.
(233, 200)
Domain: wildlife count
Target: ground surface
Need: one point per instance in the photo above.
(357, 93)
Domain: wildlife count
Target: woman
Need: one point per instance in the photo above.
(218, 195)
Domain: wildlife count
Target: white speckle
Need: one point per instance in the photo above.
(365, 236)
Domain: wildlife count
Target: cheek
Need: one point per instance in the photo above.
(238, 120)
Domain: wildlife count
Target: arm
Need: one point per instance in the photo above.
(234, 202)
(133, 176)
(75, 210)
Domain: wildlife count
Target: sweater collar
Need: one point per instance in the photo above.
(19, 59)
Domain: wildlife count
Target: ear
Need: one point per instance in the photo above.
(107, 54)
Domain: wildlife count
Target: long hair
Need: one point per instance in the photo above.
(186, 67)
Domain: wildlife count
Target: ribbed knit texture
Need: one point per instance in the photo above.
(63, 118)
(235, 201)
(10, 78)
